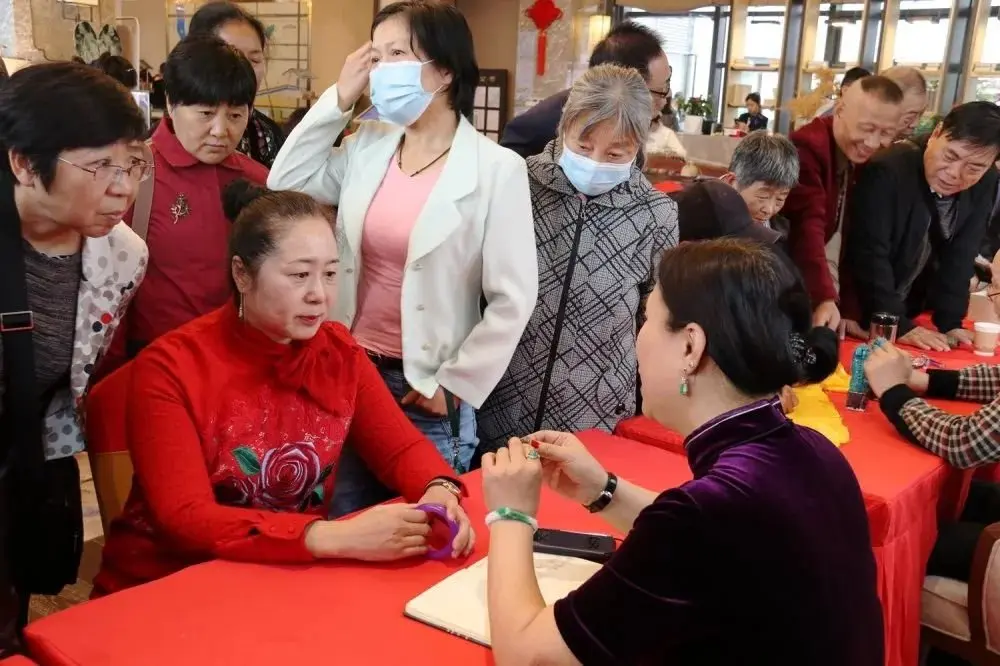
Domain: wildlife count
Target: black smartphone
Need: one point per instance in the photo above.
(594, 547)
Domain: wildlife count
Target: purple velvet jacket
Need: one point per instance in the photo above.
(763, 558)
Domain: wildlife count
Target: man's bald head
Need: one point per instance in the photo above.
(866, 117)
(914, 86)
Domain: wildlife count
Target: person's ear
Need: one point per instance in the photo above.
(696, 344)
(22, 169)
(241, 276)
(445, 76)
(729, 178)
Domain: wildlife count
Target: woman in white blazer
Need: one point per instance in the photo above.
(433, 220)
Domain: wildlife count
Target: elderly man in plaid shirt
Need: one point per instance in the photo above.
(964, 441)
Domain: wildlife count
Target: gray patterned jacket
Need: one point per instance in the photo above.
(575, 366)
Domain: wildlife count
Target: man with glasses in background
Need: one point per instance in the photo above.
(629, 45)
(922, 210)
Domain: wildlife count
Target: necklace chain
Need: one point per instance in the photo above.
(399, 160)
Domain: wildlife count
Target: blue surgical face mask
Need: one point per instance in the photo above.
(590, 177)
(397, 93)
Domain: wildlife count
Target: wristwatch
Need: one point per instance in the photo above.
(448, 484)
(604, 499)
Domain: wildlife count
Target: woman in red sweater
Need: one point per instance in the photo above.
(237, 420)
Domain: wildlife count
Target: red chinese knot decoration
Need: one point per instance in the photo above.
(543, 14)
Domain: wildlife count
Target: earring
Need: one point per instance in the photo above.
(684, 388)
(241, 307)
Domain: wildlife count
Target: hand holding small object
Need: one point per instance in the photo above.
(886, 367)
(568, 468)
(511, 479)
(464, 538)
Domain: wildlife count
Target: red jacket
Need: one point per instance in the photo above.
(235, 438)
(188, 239)
(811, 208)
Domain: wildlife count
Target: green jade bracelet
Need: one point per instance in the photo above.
(505, 513)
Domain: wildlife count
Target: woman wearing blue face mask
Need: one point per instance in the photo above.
(600, 229)
(432, 217)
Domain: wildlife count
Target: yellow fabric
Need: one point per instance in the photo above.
(838, 382)
(817, 412)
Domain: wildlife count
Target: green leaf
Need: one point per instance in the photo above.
(247, 460)
(318, 494)
(325, 473)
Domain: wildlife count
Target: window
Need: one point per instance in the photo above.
(765, 32)
(921, 32)
(845, 20)
(687, 40)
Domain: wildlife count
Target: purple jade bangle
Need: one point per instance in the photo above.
(439, 512)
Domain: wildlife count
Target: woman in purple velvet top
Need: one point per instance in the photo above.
(763, 558)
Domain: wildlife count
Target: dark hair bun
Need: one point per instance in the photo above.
(238, 195)
(824, 347)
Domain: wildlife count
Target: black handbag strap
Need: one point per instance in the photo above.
(21, 425)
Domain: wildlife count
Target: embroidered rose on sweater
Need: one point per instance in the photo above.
(287, 478)
(236, 492)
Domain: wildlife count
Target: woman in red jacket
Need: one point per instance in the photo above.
(237, 420)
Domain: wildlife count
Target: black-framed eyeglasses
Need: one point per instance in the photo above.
(662, 94)
(992, 294)
(110, 173)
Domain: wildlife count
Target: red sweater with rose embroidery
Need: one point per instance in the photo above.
(234, 439)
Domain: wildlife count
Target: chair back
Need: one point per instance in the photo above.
(107, 442)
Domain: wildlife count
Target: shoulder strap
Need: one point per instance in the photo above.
(21, 425)
(143, 206)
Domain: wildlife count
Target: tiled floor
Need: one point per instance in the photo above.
(92, 527)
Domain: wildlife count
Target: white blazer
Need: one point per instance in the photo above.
(475, 236)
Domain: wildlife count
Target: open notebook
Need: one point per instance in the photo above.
(458, 603)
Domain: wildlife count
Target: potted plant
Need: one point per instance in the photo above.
(697, 110)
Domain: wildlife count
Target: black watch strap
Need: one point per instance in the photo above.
(604, 499)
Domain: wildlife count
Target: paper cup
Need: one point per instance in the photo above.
(984, 342)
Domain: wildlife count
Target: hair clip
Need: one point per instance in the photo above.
(802, 352)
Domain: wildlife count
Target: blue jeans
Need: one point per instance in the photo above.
(356, 487)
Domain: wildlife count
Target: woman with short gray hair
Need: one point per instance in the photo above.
(764, 169)
(600, 228)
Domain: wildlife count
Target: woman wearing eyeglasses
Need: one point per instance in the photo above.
(68, 269)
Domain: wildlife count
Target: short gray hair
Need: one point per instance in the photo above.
(610, 93)
(765, 158)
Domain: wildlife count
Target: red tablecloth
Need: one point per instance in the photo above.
(335, 613)
(669, 186)
(905, 488)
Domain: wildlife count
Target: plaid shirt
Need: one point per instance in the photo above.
(964, 441)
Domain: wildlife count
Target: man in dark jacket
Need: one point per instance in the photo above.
(629, 45)
(920, 211)
(865, 119)
(991, 243)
